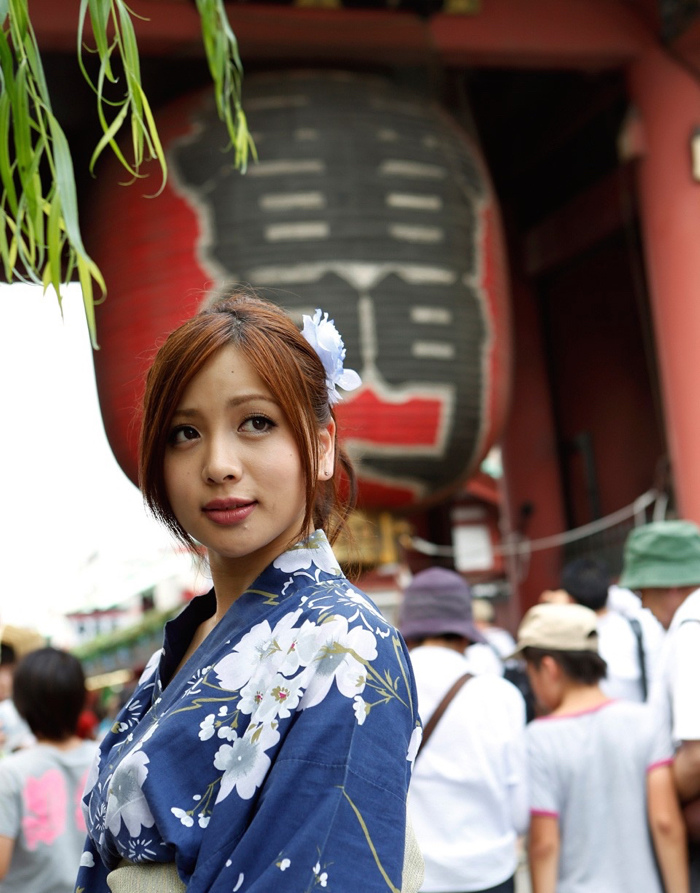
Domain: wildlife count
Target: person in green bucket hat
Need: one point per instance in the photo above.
(662, 564)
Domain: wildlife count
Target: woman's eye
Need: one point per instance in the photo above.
(257, 424)
(183, 433)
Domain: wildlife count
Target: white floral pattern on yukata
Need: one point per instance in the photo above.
(278, 757)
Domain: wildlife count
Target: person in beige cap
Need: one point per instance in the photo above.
(662, 562)
(590, 809)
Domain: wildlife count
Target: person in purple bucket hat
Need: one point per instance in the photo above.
(468, 798)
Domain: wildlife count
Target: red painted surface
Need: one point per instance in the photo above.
(130, 323)
(530, 460)
(415, 421)
(496, 284)
(687, 45)
(668, 98)
(546, 34)
(600, 383)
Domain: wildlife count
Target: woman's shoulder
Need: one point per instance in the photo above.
(340, 604)
(309, 579)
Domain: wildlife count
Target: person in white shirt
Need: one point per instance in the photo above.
(629, 640)
(662, 563)
(468, 797)
(499, 639)
(14, 731)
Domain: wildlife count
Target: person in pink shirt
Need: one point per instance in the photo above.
(603, 806)
(41, 822)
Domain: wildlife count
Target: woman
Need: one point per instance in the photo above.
(269, 745)
(41, 823)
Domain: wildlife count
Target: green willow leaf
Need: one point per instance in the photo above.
(39, 229)
(158, 152)
(99, 11)
(36, 211)
(88, 273)
(8, 248)
(221, 48)
(145, 146)
(54, 241)
(108, 138)
(21, 123)
(65, 186)
(40, 238)
(7, 171)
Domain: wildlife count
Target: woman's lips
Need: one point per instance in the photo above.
(227, 511)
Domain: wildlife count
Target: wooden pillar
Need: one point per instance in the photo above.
(667, 98)
(531, 480)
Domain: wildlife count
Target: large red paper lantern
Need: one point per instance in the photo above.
(367, 201)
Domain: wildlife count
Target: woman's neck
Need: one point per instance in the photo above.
(230, 581)
(231, 578)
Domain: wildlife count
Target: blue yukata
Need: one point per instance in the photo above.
(279, 756)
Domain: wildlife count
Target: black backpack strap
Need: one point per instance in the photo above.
(641, 657)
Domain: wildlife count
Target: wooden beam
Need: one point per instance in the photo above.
(687, 47)
(170, 27)
(588, 218)
(372, 36)
(569, 34)
(574, 34)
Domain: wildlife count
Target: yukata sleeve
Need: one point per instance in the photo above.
(331, 812)
(544, 795)
(92, 874)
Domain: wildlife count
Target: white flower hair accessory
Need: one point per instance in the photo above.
(325, 339)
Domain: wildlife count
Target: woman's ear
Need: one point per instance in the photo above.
(551, 667)
(326, 453)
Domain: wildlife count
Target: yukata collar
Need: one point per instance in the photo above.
(312, 556)
(314, 551)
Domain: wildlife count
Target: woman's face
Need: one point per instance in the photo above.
(232, 469)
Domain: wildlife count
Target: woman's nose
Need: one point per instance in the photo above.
(222, 463)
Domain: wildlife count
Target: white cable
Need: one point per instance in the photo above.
(525, 546)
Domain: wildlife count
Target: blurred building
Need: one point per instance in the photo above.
(586, 116)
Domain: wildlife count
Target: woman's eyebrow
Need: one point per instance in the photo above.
(192, 412)
(250, 398)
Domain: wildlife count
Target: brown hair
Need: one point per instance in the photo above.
(292, 371)
(49, 693)
(586, 667)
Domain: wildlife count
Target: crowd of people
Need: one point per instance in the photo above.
(288, 737)
(601, 779)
